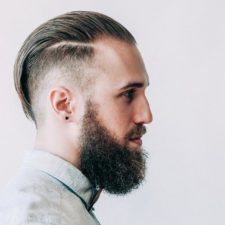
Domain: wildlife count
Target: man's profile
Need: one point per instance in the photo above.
(82, 80)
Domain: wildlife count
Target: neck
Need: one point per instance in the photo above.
(57, 144)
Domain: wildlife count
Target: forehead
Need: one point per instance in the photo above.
(119, 63)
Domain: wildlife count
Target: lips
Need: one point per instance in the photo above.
(137, 140)
(136, 135)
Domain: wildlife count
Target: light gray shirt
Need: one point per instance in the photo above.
(47, 190)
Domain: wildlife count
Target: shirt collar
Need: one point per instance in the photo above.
(65, 172)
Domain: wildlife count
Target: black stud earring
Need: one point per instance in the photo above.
(66, 117)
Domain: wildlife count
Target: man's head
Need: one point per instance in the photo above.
(65, 44)
(82, 80)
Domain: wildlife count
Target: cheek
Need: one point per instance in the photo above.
(117, 118)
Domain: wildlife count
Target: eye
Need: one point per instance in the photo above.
(129, 94)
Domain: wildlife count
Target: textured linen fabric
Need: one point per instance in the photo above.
(47, 190)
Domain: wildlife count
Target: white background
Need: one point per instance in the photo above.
(183, 46)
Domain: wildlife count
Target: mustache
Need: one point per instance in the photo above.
(139, 130)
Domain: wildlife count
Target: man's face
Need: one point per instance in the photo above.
(119, 89)
(111, 154)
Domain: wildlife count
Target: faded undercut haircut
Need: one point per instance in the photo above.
(64, 43)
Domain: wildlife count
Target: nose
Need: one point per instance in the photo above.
(143, 113)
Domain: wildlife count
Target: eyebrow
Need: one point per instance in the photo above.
(134, 85)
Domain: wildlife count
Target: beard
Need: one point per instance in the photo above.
(107, 164)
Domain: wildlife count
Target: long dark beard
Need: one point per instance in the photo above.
(106, 163)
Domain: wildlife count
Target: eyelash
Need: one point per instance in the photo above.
(129, 94)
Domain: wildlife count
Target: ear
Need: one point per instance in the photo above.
(60, 100)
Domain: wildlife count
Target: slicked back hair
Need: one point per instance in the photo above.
(61, 42)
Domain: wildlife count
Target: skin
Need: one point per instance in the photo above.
(119, 92)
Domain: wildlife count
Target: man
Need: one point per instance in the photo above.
(81, 79)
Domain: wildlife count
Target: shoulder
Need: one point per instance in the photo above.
(36, 198)
(31, 196)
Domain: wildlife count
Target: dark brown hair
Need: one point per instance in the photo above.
(37, 53)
